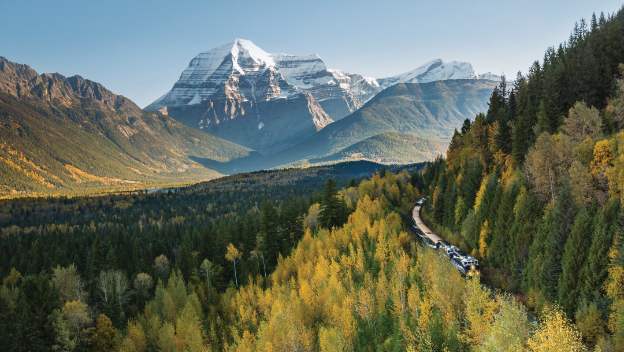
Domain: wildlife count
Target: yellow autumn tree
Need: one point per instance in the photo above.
(555, 334)
(232, 254)
(479, 312)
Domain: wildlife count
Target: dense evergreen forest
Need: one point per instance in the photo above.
(93, 248)
(534, 187)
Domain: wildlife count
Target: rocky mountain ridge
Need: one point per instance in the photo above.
(62, 133)
(241, 72)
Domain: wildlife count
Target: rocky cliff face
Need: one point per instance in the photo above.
(338, 93)
(21, 81)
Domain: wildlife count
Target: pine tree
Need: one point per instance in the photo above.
(270, 231)
(595, 270)
(500, 233)
(557, 229)
(572, 262)
(544, 267)
(332, 209)
(34, 330)
(543, 121)
(329, 205)
(523, 228)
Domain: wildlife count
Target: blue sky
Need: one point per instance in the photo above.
(138, 48)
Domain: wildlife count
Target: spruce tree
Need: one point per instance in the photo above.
(269, 231)
(574, 254)
(594, 272)
(557, 233)
(544, 266)
(524, 226)
(501, 238)
(333, 210)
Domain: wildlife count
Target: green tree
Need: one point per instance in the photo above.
(595, 270)
(333, 212)
(270, 232)
(573, 260)
(34, 328)
(544, 268)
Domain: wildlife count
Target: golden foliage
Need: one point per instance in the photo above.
(555, 334)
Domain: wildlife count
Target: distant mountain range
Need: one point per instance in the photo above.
(235, 108)
(267, 102)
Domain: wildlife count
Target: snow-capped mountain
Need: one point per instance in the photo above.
(237, 91)
(243, 71)
(436, 70)
(237, 69)
(243, 93)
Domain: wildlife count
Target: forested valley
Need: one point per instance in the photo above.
(533, 188)
(356, 283)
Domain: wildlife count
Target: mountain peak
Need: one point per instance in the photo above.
(434, 70)
(246, 49)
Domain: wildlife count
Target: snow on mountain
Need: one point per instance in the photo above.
(304, 72)
(241, 72)
(435, 70)
(239, 69)
(490, 76)
(338, 93)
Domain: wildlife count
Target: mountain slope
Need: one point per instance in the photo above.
(430, 111)
(70, 134)
(266, 126)
(389, 148)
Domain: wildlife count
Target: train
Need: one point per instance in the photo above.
(467, 265)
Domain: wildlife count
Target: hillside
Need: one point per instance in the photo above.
(429, 111)
(389, 148)
(534, 188)
(62, 135)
